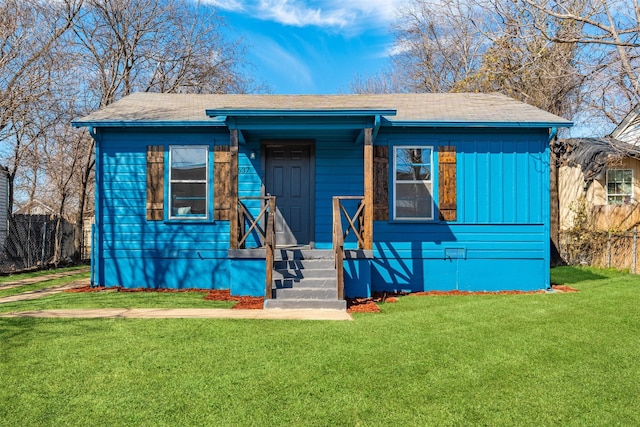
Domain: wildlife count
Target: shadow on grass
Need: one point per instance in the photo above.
(571, 275)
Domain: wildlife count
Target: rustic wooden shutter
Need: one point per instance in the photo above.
(221, 183)
(380, 183)
(447, 199)
(155, 183)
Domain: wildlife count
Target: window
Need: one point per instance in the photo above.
(188, 188)
(412, 182)
(619, 186)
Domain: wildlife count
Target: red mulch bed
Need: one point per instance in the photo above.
(354, 305)
(563, 288)
(370, 305)
(243, 303)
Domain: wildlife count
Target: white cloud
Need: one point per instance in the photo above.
(298, 14)
(231, 5)
(350, 16)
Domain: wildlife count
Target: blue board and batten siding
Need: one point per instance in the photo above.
(499, 241)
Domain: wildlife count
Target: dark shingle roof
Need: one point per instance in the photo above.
(428, 108)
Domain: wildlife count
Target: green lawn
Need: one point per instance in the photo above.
(553, 359)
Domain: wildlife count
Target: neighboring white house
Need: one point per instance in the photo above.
(4, 201)
(629, 128)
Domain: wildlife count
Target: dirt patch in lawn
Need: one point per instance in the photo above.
(370, 305)
(563, 288)
(243, 303)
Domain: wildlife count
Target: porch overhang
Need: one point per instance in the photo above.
(301, 120)
(320, 112)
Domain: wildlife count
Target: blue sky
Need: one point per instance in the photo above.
(311, 47)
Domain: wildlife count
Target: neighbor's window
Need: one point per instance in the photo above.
(412, 182)
(619, 186)
(188, 184)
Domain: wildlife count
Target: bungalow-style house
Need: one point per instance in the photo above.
(308, 199)
(601, 176)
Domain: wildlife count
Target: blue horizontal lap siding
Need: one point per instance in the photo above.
(502, 226)
(135, 252)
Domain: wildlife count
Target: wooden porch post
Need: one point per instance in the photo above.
(233, 188)
(368, 189)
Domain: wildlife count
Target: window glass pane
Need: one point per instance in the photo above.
(188, 182)
(188, 198)
(615, 200)
(414, 200)
(619, 186)
(413, 164)
(189, 164)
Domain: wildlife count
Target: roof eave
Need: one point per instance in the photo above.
(476, 124)
(136, 124)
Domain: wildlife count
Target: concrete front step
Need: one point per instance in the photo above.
(304, 279)
(301, 274)
(309, 304)
(320, 283)
(305, 254)
(306, 264)
(306, 293)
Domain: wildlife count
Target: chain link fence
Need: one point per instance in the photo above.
(30, 242)
(601, 249)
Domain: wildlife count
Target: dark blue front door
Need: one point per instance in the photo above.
(288, 177)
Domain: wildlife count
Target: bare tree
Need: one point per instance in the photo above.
(29, 30)
(156, 45)
(523, 63)
(609, 35)
(61, 59)
(437, 43)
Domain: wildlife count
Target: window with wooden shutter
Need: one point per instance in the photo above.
(380, 183)
(447, 198)
(155, 183)
(188, 182)
(413, 183)
(222, 183)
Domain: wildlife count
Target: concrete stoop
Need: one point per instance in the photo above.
(305, 279)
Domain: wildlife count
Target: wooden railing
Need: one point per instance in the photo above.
(355, 223)
(265, 230)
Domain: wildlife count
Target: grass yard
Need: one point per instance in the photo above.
(555, 359)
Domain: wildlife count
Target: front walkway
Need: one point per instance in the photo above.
(183, 313)
(46, 291)
(153, 313)
(44, 278)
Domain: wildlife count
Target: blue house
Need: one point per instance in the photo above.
(308, 199)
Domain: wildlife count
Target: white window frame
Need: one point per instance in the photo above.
(428, 182)
(630, 195)
(188, 217)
